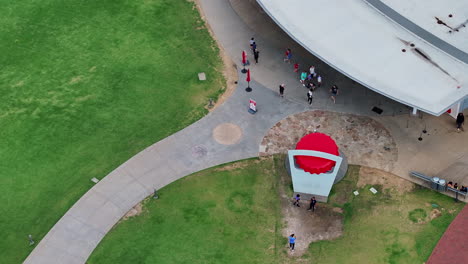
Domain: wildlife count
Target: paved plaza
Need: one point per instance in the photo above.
(230, 133)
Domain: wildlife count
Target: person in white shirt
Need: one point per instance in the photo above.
(312, 71)
(319, 80)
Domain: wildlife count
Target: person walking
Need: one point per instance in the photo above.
(292, 242)
(303, 77)
(312, 204)
(251, 41)
(312, 71)
(256, 54)
(297, 199)
(288, 56)
(460, 121)
(310, 85)
(319, 80)
(281, 90)
(309, 96)
(333, 93)
(254, 47)
(296, 67)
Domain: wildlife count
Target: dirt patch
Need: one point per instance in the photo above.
(325, 223)
(363, 140)
(435, 213)
(136, 210)
(387, 180)
(229, 70)
(236, 165)
(338, 210)
(230, 75)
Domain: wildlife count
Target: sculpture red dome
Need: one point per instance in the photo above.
(318, 142)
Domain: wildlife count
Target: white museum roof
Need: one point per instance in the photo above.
(424, 13)
(364, 41)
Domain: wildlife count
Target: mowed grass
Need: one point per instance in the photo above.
(389, 227)
(85, 85)
(232, 214)
(228, 214)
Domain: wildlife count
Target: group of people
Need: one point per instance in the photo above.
(312, 202)
(455, 186)
(253, 47)
(307, 79)
(297, 202)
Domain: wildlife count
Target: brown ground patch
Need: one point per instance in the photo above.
(363, 140)
(236, 165)
(324, 224)
(230, 75)
(136, 210)
(338, 210)
(387, 180)
(229, 70)
(435, 213)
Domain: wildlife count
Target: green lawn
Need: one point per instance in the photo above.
(85, 85)
(220, 215)
(233, 216)
(388, 227)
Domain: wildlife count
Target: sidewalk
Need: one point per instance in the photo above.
(442, 152)
(234, 22)
(79, 231)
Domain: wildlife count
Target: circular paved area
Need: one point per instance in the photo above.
(363, 140)
(227, 134)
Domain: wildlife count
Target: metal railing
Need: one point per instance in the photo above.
(421, 176)
(439, 184)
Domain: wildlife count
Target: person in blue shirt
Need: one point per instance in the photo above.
(297, 199)
(292, 241)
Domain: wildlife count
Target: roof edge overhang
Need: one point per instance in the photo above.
(350, 76)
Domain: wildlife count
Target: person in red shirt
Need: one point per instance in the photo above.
(296, 67)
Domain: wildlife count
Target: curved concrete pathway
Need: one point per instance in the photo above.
(78, 232)
(192, 149)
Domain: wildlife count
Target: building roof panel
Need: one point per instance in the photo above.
(362, 43)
